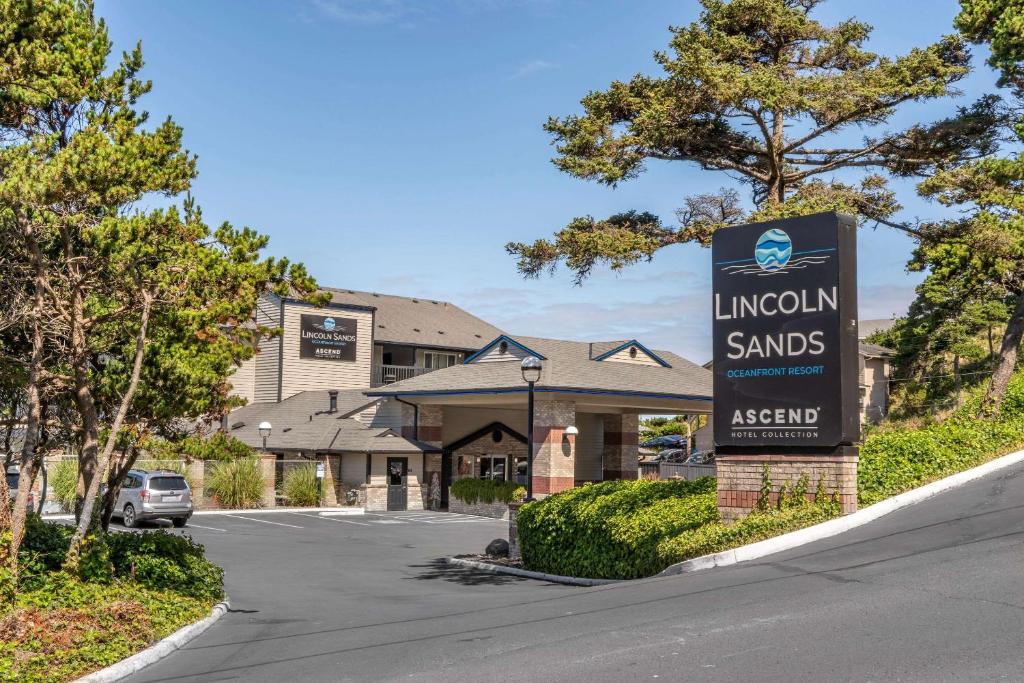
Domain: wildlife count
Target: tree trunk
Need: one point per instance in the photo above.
(1007, 360)
(114, 481)
(85, 519)
(30, 456)
(957, 379)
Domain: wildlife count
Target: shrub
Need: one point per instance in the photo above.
(611, 529)
(63, 480)
(163, 561)
(301, 486)
(237, 483)
(471, 490)
(897, 459)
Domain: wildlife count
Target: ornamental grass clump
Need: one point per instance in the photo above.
(63, 480)
(301, 486)
(237, 483)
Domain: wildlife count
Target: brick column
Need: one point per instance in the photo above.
(739, 478)
(195, 473)
(620, 455)
(554, 465)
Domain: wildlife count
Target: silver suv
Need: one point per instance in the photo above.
(152, 495)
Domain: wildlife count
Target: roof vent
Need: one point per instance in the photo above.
(478, 336)
(632, 352)
(415, 301)
(415, 329)
(287, 429)
(333, 401)
(380, 326)
(238, 425)
(503, 346)
(440, 331)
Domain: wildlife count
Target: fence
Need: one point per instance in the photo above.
(670, 470)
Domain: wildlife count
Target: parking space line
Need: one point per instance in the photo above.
(264, 521)
(328, 519)
(211, 528)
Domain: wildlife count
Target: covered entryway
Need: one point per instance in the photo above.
(398, 488)
(500, 445)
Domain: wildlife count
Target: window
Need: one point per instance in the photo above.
(432, 360)
(167, 483)
(492, 467)
(521, 470)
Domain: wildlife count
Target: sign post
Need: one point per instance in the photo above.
(786, 375)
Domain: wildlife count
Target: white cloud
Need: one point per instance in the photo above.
(367, 12)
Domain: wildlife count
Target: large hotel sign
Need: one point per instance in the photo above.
(785, 333)
(327, 337)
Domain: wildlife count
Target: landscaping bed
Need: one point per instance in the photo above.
(131, 591)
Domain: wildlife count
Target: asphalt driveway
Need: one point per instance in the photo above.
(934, 592)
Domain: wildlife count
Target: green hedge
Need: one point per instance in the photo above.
(611, 529)
(471, 490)
(237, 483)
(896, 458)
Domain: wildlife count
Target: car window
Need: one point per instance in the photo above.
(12, 481)
(167, 483)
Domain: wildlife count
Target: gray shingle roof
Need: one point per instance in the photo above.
(425, 322)
(874, 350)
(568, 366)
(301, 422)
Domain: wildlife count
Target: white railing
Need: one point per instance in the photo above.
(388, 374)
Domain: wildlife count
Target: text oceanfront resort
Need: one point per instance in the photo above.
(399, 397)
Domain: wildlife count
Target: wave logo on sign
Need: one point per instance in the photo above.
(773, 255)
(329, 324)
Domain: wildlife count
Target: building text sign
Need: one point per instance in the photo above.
(785, 333)
(327, 337)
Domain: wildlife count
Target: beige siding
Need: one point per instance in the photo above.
(305, 374)
(493, 354)
(641, 357)
(387, 413)
(460, 422)
(243, 380)
(589, 447)
(268, 313)
(353, 468)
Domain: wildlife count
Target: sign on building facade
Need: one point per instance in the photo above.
(785, 333)
(327, 337)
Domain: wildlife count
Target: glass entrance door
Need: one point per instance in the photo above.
(397, 473)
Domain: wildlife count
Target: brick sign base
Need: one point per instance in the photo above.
(739, 479)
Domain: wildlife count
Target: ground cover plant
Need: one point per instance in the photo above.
(899, 457)
(130, 590)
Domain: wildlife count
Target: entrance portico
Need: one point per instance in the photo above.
(477, 413)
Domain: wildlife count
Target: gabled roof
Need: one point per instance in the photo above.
(423, 322)
(508, 340)
(866, 328)
(612, 348)
(874, 351)
(568, 367)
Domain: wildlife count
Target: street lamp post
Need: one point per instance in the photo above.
(531, 368)
(264, 429)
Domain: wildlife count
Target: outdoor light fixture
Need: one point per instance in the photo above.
(265, 429)
(531, 368)
(571, 430)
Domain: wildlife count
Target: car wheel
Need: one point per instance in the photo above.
(179, 522)
(128, 517)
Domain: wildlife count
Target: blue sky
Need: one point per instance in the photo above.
(396, 146)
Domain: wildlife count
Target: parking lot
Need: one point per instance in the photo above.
(312, 595)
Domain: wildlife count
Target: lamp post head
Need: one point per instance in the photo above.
(264, 429)
(531, 367)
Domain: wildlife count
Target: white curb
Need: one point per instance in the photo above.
(157, 651)
(516, 571)
(248, 511)
(838, 525)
